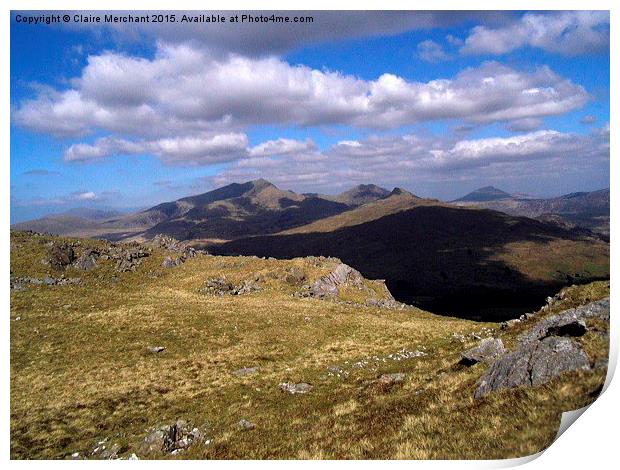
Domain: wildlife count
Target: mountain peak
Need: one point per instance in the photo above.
(260, 183)
(487, 193)
(401, 192)
(362, 193)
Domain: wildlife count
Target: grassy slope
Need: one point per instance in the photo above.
(365, 213)
(80, 373)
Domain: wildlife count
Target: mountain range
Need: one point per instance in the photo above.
(482, 256)
(583, 209)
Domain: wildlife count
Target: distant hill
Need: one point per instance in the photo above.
(584, 209)
(459, 261)
(233, 211)
(488, 193)
(362, 194)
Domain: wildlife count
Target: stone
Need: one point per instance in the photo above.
(111, 452)
(533, 363)
(171, 263)
(156, 349)
(87, 261)
(170, 439)
(296, 388)
(328, 286)
(567, 323)
(246, 425)
(295, 276)
(246, 371)
(61, 256)
(486, 351)
(337, 371)
(217, 286)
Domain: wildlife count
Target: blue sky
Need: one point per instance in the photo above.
(437, 103)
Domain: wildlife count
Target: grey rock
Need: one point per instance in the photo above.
(61, 256)
(327, 286)
(296, 388)
(171, 263)
(295, 276)
(337, 371)
(87, 261)
(246, 425)
(487, 351)
(110, 452)
(392, 379)
(571, 322)
(170, 438)
(246, 371)
(156, 349)
(533, 363)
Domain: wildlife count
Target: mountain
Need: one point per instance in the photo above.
(397, 201)
(584, 209)
(60, 225)
(78, 220)
(362, 194)
(90, 213)
(239, 210)
(233, 211)
(460, 261)
(488, 193)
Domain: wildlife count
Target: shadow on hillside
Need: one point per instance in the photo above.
(438, 258)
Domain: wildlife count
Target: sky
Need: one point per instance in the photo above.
(120, 115)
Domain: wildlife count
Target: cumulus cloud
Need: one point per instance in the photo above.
(192, 150)
(568, 33)
(167, 97)
(410, 159)
(282, 147)
(430, 51)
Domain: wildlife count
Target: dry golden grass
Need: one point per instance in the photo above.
(80, 370)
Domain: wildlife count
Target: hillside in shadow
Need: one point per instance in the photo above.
(478, 264)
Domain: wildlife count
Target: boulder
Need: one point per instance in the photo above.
(171, 263)
(246, 425)
(61, 256)
(327, 286)
(487, 351)
(533, 363)
(295, 276)
(87, 261)
(170, 439)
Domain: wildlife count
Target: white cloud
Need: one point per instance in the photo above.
(84, 196)
(430, 51)
(191, 150)
(184, 92)
(282, 147)
(410, 160)
(568, 33)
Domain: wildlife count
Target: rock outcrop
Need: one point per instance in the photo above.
(544, 351)
(328, 286)
(170, 439)
(533, 363)
(487, 351)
